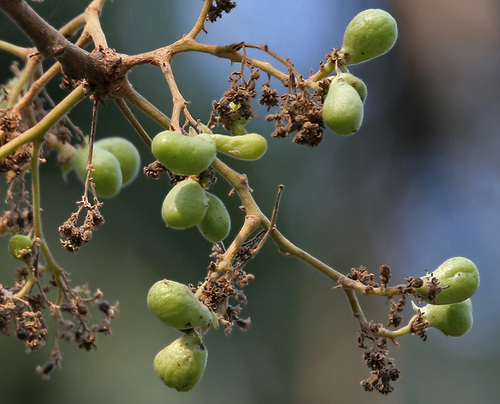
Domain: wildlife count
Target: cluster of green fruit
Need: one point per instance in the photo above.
(451, 310)
(371, 33)
(188, 204)
(116, 163)
(181, 364)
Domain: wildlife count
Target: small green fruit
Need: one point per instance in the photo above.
(216, 224)
(107, 173)
(126, 154)
(19, 245)
(185, 205)
(343, 107)
(181, 364)
(458, 276)
(357, 83)
(371, 33)
(184, 155)
(452, 319)
(178, 307)
(250, 146)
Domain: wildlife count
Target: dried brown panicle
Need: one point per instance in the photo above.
(218, 7)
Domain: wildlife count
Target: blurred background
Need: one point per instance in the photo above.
(418, 184)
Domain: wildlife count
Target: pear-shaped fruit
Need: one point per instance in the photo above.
(126, 154)
(184, 155)
(357, 83)
(343, 107)
(185, 205)
(181, 364)
(177, 306)
(107, 173)
(452, 319)
(216, 224)
(459, 278)
(250, 146)
(371, 33)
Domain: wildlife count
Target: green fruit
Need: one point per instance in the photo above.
(250, 146)
(126, 154)
(452, 319)
(184, 155)
(107, 173)
(370, 34)
(178, 307)
(181, 364)
(216, 224)
(458, 276)
(357, 83)
(185, 205)
(19, 244)
(343, 107)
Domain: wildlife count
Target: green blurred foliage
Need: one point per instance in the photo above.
(396, 193)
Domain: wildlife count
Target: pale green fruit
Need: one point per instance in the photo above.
(357, 83)
(17, 243)
(184, 155)
(216, 224)
(107, 173)
(452, 319)
(175, 305)
(185, 205)
(343, 107)
(371, 33)
(181, 364)
(250, 146)
(126, 154)
(458, 276)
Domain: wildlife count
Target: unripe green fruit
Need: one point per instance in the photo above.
(175, 305)
(371, 33)
(458, 276)
(357, 83)
(126, 154)
(185, 205)
(184, 155)
(342, 108)
(18, 243)
(452, 319)
(216, 224)
(181, 364)
(107, 173)
(250, 146)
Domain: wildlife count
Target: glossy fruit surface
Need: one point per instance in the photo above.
(452, 319)
(371, 33)
(342, 108)
(17, 243)
(181, 364)
(216, 224)
(250, 146)
(459, 278)
(107, 173)
(126, 154)
(177, 306)
(184, 155)
(185, 205)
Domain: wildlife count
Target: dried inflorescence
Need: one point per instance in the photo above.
(76, 236)
(218, 7)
